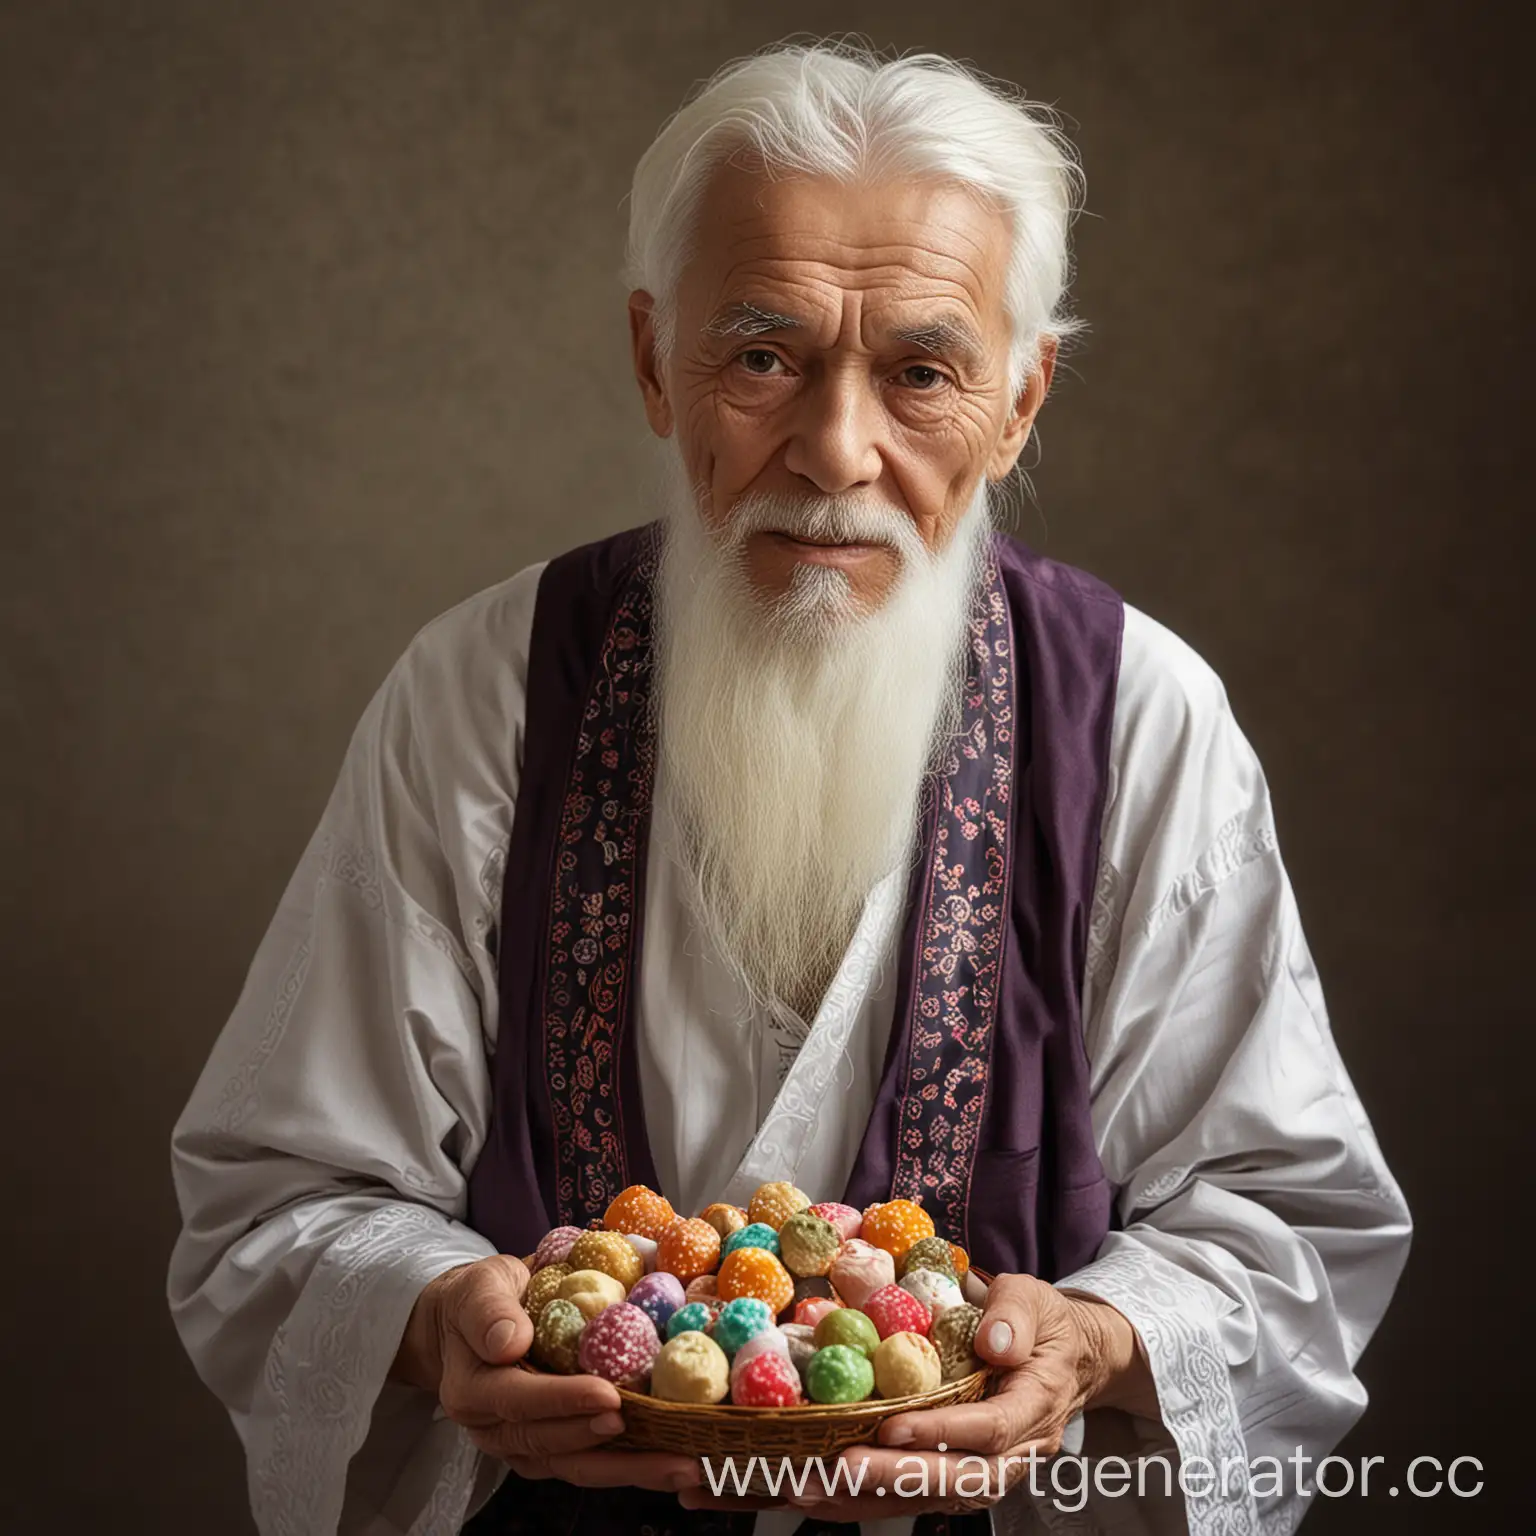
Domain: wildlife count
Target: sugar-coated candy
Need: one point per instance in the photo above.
(844, 1218)
(691, 1317)
(954, 1336)
(860, 1269)
(639, 1209)
(756, 1272)
(928, 1253)
(691, 1368)
(724, 1218)
(812, 1285)
(813, 1309)
(937, 1291)
(739, 1319)
(645, 1248)
(772, 1339)
(554, 1246)
(962, 1260)
(893, 1310)
(837, 1374)
(775, 1202)
(690, 1247)
(756, 1234)
(807, 1244)
(658, 1295)
(591, 1289)
(557, 1337)
(609, 1252)
(801, 1340)
(702, 1288)
(849, 1328)
(896, 1225)
(906, 1363)
(620, 1344)
(766, 1381)
(543, 1288)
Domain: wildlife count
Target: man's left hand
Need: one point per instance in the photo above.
(1056, 1353)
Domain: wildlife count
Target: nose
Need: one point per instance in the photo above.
(835, 439)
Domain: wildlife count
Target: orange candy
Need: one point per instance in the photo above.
(756, 1272)
(724, 1218)
(640, 1210)
(775, 1202)
(690, 1247)
(896, 1225)
(962, 1260)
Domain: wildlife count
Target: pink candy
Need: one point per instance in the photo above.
(620, 1344)
(844, 1218)
(554, 1246)
(860, 1269)
(893, 1310)
(813, 1309)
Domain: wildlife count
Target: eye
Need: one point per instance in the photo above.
(923, 377)
(758, 360)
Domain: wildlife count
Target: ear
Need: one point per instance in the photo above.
(642, 335)
(1016, 430)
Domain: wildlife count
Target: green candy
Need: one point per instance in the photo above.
(557, 1336)
(848, 1328)
(807, 1244)
(838, 1374)
(739, 1320)
(756, 1235)
(693, 1317)
(928, 1253)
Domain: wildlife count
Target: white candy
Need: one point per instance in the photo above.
(934, 1289)
(645, 1248)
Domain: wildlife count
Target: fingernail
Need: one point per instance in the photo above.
(898, 1434)
(999, 1337)
(606, 1424)
(500, 1336)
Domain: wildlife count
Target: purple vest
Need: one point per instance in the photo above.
(982, 1112)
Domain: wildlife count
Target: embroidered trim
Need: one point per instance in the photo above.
(963, 929)
(592, 911)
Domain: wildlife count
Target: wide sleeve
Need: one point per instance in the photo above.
(321, 1161)
(1261, 1233)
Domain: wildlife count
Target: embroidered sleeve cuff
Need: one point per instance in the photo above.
(1177, 1321)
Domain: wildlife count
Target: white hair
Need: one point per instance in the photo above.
(841, 110)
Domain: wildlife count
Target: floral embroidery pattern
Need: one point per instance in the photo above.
(961, 930)
(593, 908)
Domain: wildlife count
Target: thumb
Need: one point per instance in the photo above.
(487, 1309)
(1005, 1336)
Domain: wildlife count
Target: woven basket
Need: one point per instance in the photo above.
(718, 1430)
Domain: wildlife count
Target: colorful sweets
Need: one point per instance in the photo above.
(848, 1328)
(691, 1368)
(640, 1209)
(691, 1317)
(859, 1270)
(954, 1336)
(757, 1234)
(543, 1288)
(609, 1252)
(591, 1289)
(554, 1246)
(739, 1319)
(767, 1380)
(928, 1253)
(938, 1292)
(620, 1344)
(893, 1310)
(557, 1337)
(896, 1226)
(690, 1247)
(807, 1245)
(724, 1218)
(658, 1295)
(905, 1364)
(838, 1374)
(844, 1218)
(755, 1272)
(774, 1203)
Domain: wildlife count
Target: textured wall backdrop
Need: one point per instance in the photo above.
(312, 327)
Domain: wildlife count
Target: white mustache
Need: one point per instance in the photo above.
(830, 519)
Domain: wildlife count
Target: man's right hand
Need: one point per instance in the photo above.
(466, 1333)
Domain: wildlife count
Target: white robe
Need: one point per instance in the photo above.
(321, 1162)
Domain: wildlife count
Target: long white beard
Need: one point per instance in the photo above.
(794, 735)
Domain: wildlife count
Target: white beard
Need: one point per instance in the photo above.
(794, 735)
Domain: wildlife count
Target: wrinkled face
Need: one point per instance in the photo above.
(839, 341)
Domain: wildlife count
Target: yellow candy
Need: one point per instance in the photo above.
(591, 1290)
(543, 1289)
(775, 1202)
(609, 1252)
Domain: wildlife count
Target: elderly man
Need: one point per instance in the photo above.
(812, 831)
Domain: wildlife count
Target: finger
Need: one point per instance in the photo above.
(485, 1309)
(1009, 1322)
(620, 1469)
(702, 1498)
(547, 1437)
(519, 1397)
(1024, 1411)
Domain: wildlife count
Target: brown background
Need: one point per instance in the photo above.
(311, 327)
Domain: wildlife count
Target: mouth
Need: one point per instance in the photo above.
(825, 551)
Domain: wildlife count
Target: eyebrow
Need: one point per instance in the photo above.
(743, 319)
(944, 338)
